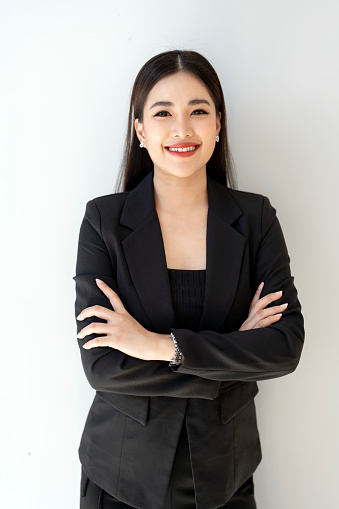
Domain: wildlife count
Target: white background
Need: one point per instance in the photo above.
(66, 71)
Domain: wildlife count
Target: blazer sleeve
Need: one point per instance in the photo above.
(107, 369)
(257, 354)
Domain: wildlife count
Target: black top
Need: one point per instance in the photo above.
(187, 290)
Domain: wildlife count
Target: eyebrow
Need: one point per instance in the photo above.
(193, 102)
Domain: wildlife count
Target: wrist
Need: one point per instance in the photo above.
(177, 360)
(163, 347)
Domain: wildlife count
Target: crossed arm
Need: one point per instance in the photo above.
(121, 356)
(124, 333)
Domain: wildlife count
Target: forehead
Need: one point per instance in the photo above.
(178, 88)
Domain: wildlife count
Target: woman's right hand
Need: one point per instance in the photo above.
(259, 314)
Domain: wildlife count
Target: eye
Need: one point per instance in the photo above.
(162, 113)
(200, 112)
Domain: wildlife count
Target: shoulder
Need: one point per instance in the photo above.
(106, 205)
(250, 202)
(228, 198)
(258, 212)
(126, 208)
(247, 201)
(105, 210)
(109, 201)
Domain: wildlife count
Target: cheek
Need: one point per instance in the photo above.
(153, 144)
(155, 131)
(210, 135)
(155, 139)
(210, 150)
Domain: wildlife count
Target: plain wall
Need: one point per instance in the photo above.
(66, 71)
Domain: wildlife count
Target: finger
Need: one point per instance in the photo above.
(111, 295)
(257, 295)
(259, 290)
(268, 321)
(95, 328)
(99, 341)
(99, 311)
(268, 299)
(263, 314)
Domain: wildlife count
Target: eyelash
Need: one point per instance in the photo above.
(201, 112)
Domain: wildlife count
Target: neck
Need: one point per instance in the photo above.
(180, 195)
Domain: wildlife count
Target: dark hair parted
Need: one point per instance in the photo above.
(136, 161)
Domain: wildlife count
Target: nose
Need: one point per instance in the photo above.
(182, 127)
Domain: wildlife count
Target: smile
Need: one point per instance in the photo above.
(186, 150)
(182, 149)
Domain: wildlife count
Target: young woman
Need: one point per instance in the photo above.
(184, 300)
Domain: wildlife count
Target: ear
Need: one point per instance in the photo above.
(218, 122)
(139, 129)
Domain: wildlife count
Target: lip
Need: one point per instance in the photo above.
(187, 153)
(182, 145)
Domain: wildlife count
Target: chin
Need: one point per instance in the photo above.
(181, 172)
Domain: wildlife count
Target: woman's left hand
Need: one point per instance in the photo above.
(124, 333)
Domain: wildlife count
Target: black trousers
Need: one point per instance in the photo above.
(180, 493)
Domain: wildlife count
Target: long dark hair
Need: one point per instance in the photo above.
(136, 161)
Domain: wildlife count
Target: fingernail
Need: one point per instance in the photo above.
(278, 293)
(261, 285)
(284, 305)
(79, 317)
(99, 281)
(84, 346)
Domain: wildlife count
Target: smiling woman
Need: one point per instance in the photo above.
(179, 286)
(181, 130)
(174, 65)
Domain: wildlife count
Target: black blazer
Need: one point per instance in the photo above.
(133, 425)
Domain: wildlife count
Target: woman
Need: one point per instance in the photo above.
(184, 300)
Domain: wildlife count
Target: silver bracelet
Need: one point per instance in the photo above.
(176, 361)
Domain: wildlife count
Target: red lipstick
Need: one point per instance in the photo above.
(186, 149)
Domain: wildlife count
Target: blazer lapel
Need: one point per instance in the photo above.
(225, 248)
(145, 255)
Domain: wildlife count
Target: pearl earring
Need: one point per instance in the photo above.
(217, 138)
(141, 145)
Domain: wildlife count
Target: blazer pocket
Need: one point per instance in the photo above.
(135, 407)
(233, 401)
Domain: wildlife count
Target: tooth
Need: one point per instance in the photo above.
(182, 149)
